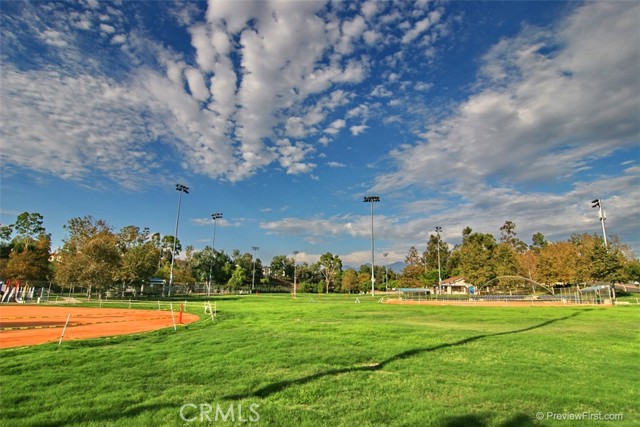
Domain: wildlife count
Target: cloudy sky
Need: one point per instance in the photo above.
(282, 115)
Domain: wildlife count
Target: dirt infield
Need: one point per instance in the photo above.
(514, 303)
(35, 324)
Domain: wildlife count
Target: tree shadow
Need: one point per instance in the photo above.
(484, 420)
(99, 416)
(281, 385)
(467, 420)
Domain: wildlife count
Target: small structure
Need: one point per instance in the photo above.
(155, 286)
(455, 286)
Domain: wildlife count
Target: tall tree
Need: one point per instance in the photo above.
(238, 278)
(476, 253)
(282, 267)
(29, 261)
(245, 261)
(139, 256)
(504, 260)
(413, 269)
(29, 226)
(214, 263)
(508, 236)
(558, 263)
(5, 242)
(538, 241)
(430, 256)
(90, 256)
(330, 267)
(527, 263)
(26, 255)
(349, 281)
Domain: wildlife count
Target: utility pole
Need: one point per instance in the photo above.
(438, 231)
(181, 189)
(215, 217)
(294, 273)
(253, 280)
(372, 200)
(386, 285)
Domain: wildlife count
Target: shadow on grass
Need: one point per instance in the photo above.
(281, 385)
(484, 420)
(101, 416)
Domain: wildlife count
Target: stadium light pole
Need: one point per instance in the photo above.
(372, 200)
(597, 203)
(294, 273)
(181, 189)
(386, 286)
(215, 217)
(438, 231)
(253, 280)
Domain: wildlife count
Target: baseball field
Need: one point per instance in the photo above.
(267, 360)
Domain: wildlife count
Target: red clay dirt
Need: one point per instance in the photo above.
(22, 325)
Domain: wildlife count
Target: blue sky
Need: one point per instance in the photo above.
(282, 115)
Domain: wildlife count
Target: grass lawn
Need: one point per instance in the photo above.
(277, 362)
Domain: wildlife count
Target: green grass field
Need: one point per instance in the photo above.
(278, 362)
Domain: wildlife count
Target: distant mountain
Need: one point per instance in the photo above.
(396, 266)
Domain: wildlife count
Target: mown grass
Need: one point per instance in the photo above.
(336, 363)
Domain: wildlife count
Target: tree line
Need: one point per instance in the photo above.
(480, 258)
(96, 257)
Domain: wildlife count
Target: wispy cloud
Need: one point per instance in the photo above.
(531, 117)
(222, 119)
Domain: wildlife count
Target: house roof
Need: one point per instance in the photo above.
(454, 280)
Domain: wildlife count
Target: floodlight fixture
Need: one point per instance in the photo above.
(597, 203)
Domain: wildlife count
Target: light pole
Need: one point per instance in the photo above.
(215, 217)
(372, 200)
(181, 189)
(597, 203)
(253, 280)
(294, 273)
(438, 231)
(386, 286)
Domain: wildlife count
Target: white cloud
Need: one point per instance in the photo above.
(119, 39)
(371, 37)
(361, 110)
(381, 92)
(54, 38)
(422, 86)
(292, 156)
(201, 41)
(351, 31)
(335, 127)
(538, 115)
(195, 80)
(370, 8)
(70, 126)
(358, 129)
(107, 29)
